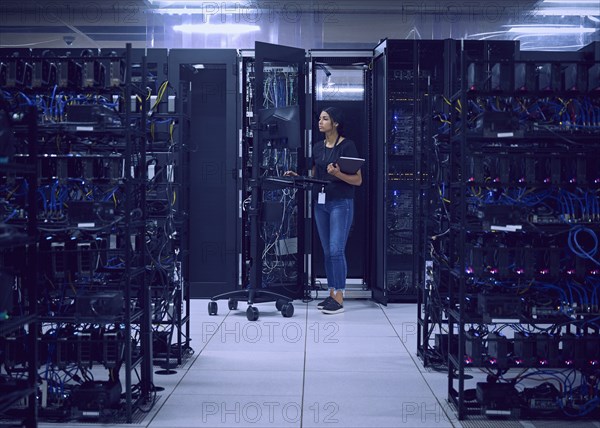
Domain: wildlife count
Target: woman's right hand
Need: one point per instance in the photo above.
(292, 173)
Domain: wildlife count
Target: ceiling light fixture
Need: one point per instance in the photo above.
(526, 46)
(178, 11)
(179, 3)
(551, 29)
(239, 11)
(228, 29)
(571, 2)
(566, 11)
(344, 90)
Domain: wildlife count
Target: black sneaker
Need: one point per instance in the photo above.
(333, 307)
(322, 304)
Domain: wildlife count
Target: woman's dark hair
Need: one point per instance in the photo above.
(337, 116)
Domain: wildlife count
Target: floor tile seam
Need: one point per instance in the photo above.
(186, 370)
(382, 394)
(416, 364)
(387, 352)
(304, 367)
(356, 371)
(249, 370)
(228, 394)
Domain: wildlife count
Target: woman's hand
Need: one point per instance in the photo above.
(333, 169)
(352, 179)
(292, 173)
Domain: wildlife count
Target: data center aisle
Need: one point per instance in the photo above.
(350, 370)
(355, 369)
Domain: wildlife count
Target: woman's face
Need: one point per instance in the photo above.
(325, 123)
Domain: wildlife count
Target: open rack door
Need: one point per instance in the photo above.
(277, 248)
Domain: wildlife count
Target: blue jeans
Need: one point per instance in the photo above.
(333, 220)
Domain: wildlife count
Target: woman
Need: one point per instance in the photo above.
(334, 204)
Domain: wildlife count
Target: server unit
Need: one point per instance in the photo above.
(406, 73)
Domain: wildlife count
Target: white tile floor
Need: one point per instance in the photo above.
(355, 369)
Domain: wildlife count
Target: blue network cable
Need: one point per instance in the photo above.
(576, 247)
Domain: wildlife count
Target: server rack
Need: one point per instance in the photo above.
(93, 305)
(519, 271)
(406, 73)
(432, 331)
(18, 312)
(208, 136)
(166, 167)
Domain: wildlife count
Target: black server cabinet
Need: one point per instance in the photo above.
(210, 128)
(404, 72)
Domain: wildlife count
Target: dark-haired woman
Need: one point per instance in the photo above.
(334, 204)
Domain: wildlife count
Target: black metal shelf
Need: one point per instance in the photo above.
(83, 128)
(510, 143)
(26, 273)
(476, 139)
(128, 142)
(79, 319)
(11, 398)
(16, 168)
(20, 240)
(520, 185)
(477, 227)
(523, 94)
(14, 323)
(469, 318)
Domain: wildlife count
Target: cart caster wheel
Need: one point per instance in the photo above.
(252, 313)
(280, 303)
(213, 307)
(287, 310)
(232, 304)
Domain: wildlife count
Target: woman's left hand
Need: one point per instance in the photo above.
(333, 169)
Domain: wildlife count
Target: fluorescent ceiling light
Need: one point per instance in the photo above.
(490, 33)
(178, 11)
(533, 46)
(229, 29)
(540, 25)
(551, 30)
(180, 2)
(572, 2)
(566, 11)
(344, 90)
(202, 11)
